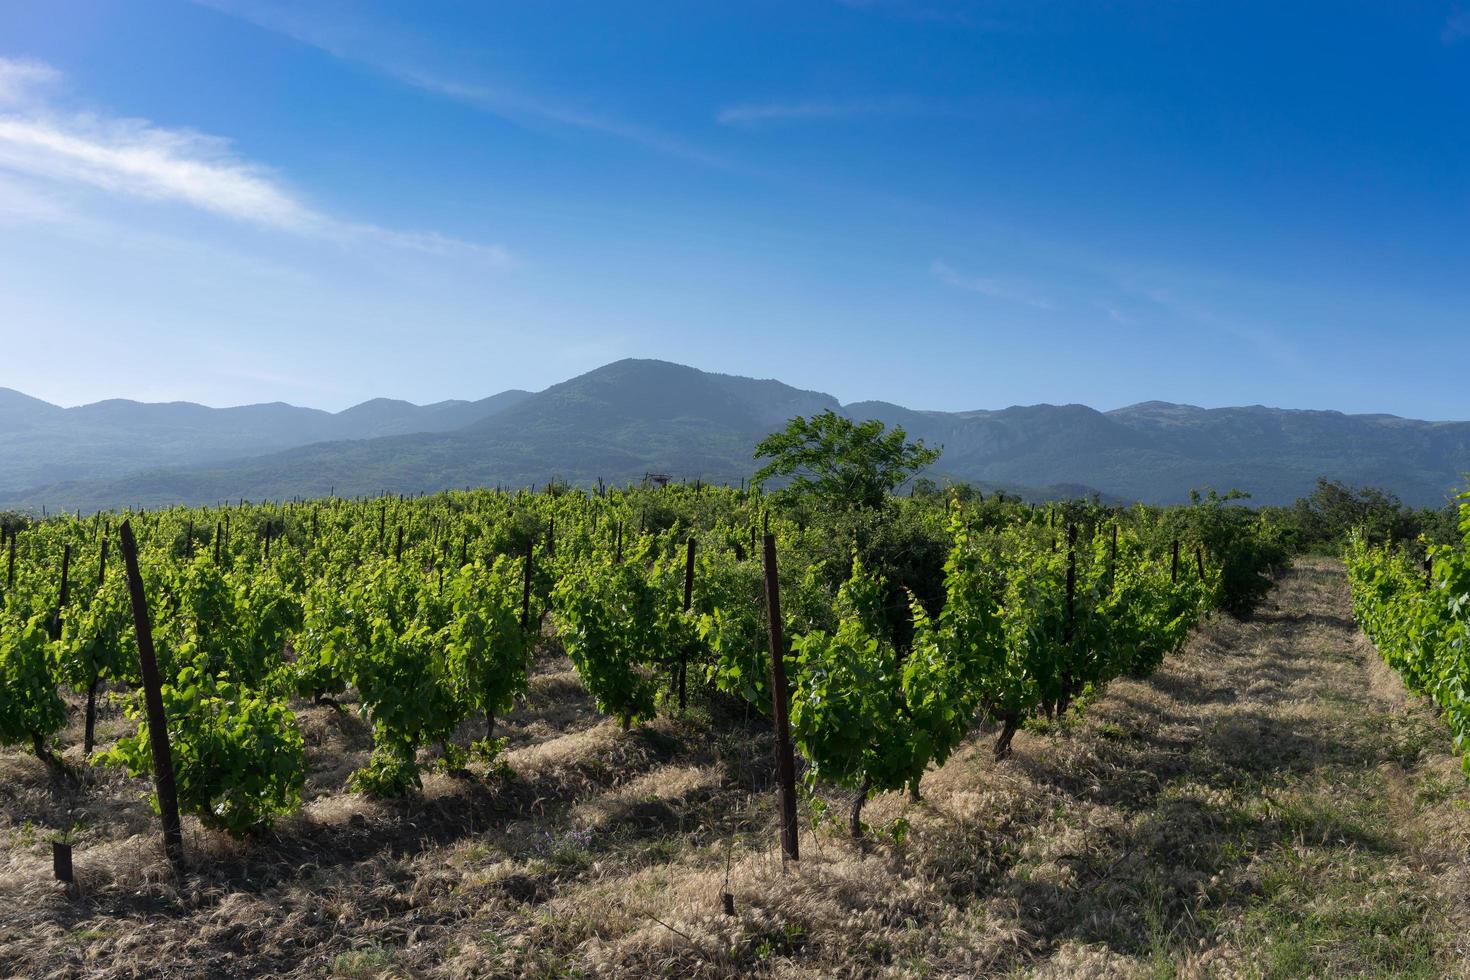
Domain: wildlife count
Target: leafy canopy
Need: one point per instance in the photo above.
(839, 463)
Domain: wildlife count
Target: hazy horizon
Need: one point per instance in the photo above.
(844, 401)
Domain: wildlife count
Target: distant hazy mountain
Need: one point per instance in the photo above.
(636, 416)
(41, 443)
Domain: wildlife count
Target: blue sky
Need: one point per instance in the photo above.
(945, 205)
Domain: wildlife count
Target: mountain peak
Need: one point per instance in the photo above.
(641, 415)
(9, 398)
(19, 410)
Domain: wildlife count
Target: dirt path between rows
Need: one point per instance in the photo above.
(1270, 803)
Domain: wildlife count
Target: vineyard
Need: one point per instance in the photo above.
(427, 612)
(1415, 606)
(546, 688)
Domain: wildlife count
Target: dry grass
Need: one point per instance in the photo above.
(1269, 804)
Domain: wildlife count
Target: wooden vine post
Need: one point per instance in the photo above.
(62, 592)
(61, 867)
(1113, 561)
(526, 590)
(1069, 624)
(688, 605)
(1071, 582)
(1174, 568)
(163, 760)
(89, 729)
(780, 715)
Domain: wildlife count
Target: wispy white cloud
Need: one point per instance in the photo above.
(521, 108)
(1456, 27)
(752, 115)
(1113, 313)
(988, 286)
(135, 158)
(356, 43)
(20, 78)
(30, 202)
(1182, 304)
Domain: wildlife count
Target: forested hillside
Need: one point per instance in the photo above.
(635, 417)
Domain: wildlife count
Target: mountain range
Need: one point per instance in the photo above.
(635, 417)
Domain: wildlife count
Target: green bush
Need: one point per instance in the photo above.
(31, 712)
(238, 757)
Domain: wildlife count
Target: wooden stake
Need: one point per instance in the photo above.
(689, 576)
(61, 862)
(688, 605)
(1113, 559)
(1070, 627)
(1069, 622)
(163, 760)
(526, 590)
(62, 592)
(89, 725)
(785, 758)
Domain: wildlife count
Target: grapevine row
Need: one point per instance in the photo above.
(1413, 601)
(426, 612)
